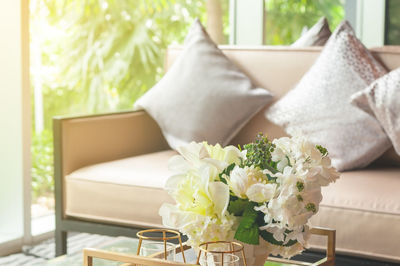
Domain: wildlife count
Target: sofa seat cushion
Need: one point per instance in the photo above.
(364, 208)
(127, 191)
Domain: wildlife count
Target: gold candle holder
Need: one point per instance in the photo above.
(175, 235)
(234, 247)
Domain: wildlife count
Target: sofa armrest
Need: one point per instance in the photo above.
(86, 140)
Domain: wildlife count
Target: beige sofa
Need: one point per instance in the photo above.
(111, 168)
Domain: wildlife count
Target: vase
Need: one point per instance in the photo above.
(256, 255)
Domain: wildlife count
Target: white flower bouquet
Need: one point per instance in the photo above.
(267, 190)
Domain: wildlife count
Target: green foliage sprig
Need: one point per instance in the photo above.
(259, 153)
(323, 150)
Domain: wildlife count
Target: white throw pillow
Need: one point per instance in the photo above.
(382, 100)
(317, 35)
(203, 96)
(319, 106)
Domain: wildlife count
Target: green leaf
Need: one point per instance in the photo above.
(248, 231)
(227, 171)
(267, 236)
(250, 212)
(248, 235)
(237, 207)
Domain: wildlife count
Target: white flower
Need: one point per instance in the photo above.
(277, 231)
(261, 192)
(311, 193)
(288, 194)
(199, 228)
(305, 159)
(286, 252)
(238, 181)
(201, 209)
(195, 154)
(226, 155)
(241, 179)
(201, 199)
(301, 234)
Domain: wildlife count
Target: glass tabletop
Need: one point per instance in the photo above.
(124, 245)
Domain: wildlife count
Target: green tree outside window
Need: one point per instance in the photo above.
(90, 56)
(286, 19)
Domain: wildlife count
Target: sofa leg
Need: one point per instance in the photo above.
(61, 242)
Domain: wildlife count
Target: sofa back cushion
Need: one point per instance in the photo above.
(203, 96)
(278, 69)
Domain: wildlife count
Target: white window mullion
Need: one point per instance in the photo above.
(368, 20)
(26, 120)
(247, 22)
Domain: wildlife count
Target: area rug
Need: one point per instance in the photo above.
(44, 253)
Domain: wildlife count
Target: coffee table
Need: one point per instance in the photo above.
(120, 246)
(123, 250)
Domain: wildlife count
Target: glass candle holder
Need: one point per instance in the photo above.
(155, 241)
(159, 250)
(220, 253)
(223, 259)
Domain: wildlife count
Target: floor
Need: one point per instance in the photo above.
(41, 253)
(342, 260)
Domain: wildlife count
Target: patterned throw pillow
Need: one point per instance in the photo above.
(317, 35)
(382, 100)
(319, 106)
(203, 96)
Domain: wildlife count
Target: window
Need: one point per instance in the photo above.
(14, 138)
(286, 19)
(99, 56)
(392, 24)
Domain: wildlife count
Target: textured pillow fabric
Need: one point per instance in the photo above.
(382, 100)
(203, 96)
(319, 106)
(317, 35)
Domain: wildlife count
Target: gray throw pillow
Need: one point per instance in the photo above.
(203, 96)
(382, 100)
(317, 35)
(319, 106)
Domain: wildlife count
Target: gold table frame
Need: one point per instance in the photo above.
(131, 260)
(329, 259)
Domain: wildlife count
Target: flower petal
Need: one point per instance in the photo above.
(261, 192)
(219, 194)
(178, 164)
(172, 217)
